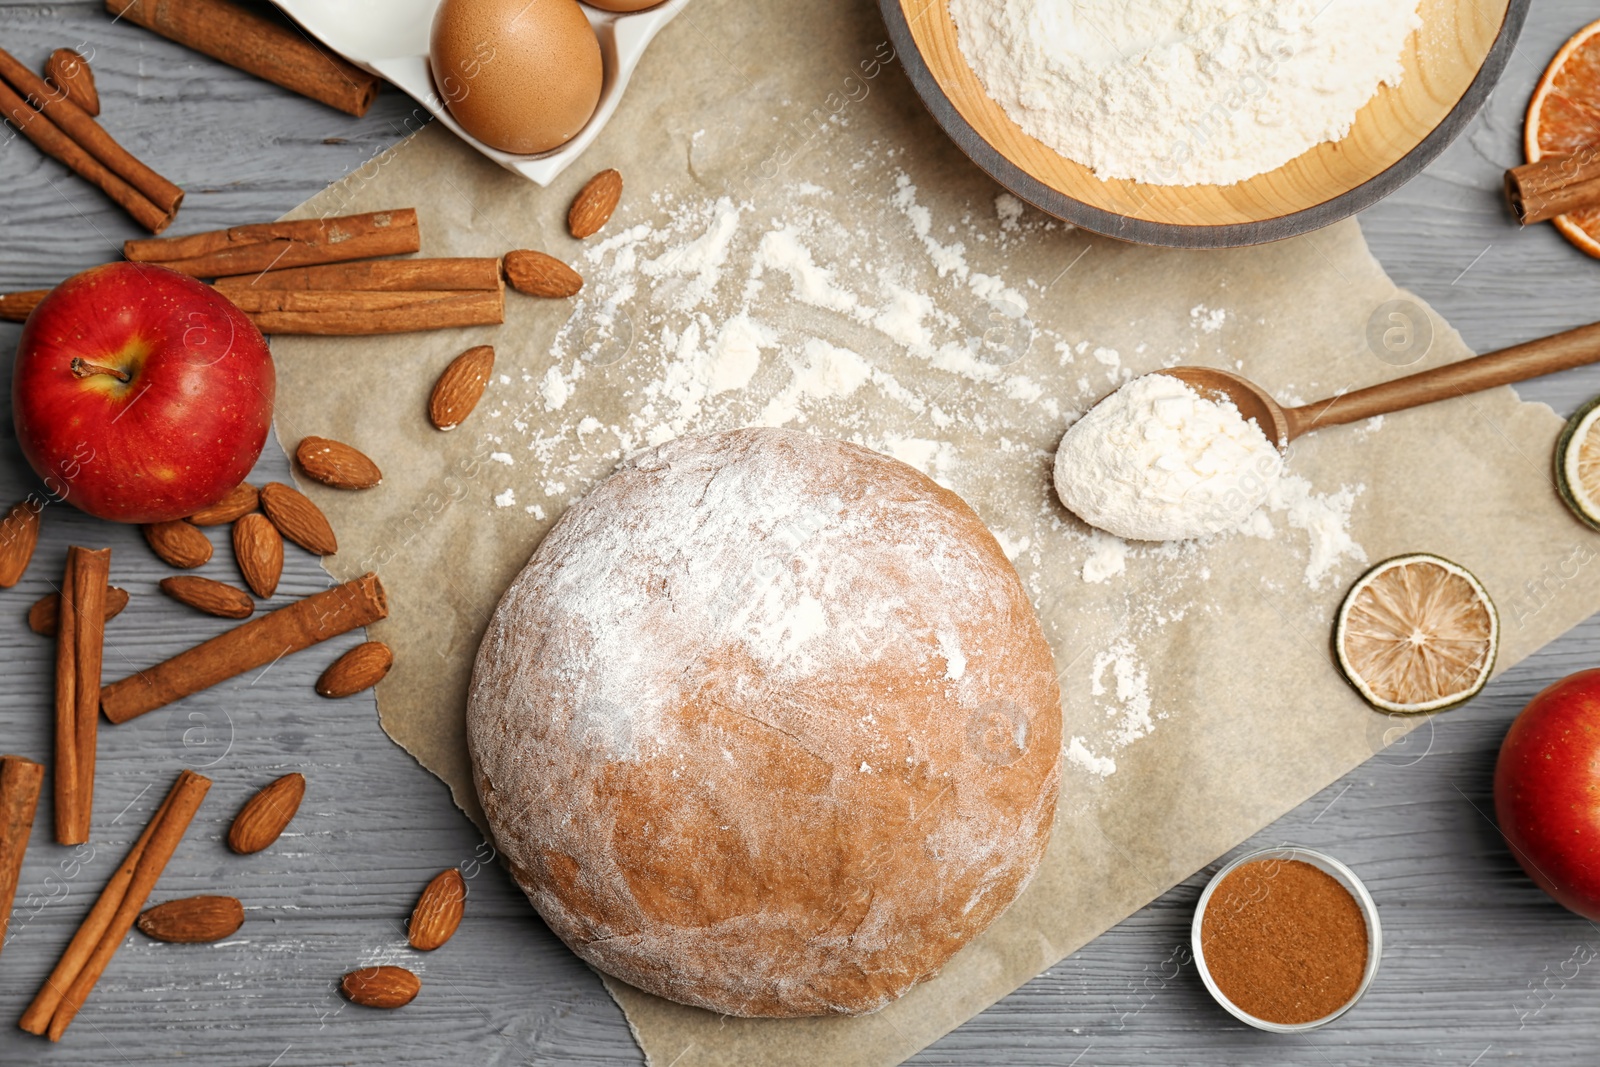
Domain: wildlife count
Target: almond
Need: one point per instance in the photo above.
(438, 912)
(537, 274)
(213, 598)
(265, 815)
(19, 535)
(69, 72)
(241, 500)
(45, 615)
(298, 519)
(258, 549)
(460, 387)
(361, 668)
(193, 920)
(178, 543)
(381, 987)
(336, 464)
(594, 204)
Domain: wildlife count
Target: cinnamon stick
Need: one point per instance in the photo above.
(388, 275)
(90, 587)
(19, 796)
(247, 646)
(50, 140)
(78, 124)
(442, 311)
(257, 45)
(36, 1020)
(278, 245)
(80, 640)
(114, 913)
(1554, 186)
(188, 792)
(16, 307)
(389, 296)
(318, 301)
(68, 775)
(291, 311)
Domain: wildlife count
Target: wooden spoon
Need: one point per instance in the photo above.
(1563, 351)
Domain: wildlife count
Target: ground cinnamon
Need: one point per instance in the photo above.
(1284, 941)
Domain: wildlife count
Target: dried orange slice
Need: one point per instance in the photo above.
(1563, 117)
(1578, 463)
(1417, 633)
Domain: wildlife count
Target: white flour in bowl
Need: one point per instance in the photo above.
(1184, 92)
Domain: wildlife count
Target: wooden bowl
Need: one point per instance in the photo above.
(1451, 64)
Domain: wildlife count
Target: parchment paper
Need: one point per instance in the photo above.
(796, 113)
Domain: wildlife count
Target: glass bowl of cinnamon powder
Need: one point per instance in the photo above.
(1287, 939)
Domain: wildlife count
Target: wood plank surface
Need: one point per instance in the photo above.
(1479, 966)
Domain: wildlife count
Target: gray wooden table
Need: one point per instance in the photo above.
(1479, 966)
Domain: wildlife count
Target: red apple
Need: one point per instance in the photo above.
(140, 394)
(1547, 791)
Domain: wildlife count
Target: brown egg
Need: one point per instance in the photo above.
(522, 76)
(623, 5)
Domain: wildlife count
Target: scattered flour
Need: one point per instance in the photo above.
(781, 250)
(1078, 755)
(555, 389)
(1012, 545)
(1108, 557)
(1325, 517)
(1129, 691)
(936, 459)
(1208, 320)
(901, 320)
(701, 260)
(1008, 209)
(1184, 92)
(821, 372)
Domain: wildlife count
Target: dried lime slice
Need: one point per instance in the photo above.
(1578, 463)
(1417, 633)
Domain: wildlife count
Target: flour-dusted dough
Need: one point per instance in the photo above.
(768, 725)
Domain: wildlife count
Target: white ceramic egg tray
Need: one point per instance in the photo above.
(390, 39)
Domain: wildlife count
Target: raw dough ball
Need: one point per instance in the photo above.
(768, 726)
(523, 76)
